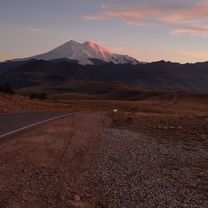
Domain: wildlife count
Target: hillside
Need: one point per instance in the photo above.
(59, 74)
(14, 103)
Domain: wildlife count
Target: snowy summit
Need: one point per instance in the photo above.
(84, 53)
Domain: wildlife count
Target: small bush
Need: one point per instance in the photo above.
(41, 96)
(7, 89)
(33, 96)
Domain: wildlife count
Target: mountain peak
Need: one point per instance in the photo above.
(72, 42)
(85, 53)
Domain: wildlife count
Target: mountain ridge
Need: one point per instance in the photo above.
(157, 75)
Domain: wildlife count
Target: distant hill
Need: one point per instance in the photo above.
(60, 73)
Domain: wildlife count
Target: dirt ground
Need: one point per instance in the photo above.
(41, 167)
(148, 154)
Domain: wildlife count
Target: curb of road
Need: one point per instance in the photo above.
(38, 123)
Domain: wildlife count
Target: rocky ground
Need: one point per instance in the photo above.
(136, 171)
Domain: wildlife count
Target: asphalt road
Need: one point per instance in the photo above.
(14, 122)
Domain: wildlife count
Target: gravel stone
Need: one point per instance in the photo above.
(139, 172)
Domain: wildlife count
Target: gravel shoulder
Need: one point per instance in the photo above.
(136, 171)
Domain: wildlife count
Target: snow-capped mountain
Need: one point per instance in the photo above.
(84, 53)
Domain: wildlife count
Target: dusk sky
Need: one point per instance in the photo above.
(149, 30)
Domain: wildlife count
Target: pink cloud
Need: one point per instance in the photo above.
(192, 15)
(132, 17)
(195, 31)
(188, 21)
(35, 29)
(125, 15)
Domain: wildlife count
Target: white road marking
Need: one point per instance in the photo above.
(35, 124)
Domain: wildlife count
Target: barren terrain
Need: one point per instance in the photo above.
(151, 153)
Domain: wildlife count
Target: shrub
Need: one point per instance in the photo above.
(41, 96)
(33, 96)
(7, 89)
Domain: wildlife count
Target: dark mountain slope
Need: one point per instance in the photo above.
(160, 75)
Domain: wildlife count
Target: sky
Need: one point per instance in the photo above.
(149, 30)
